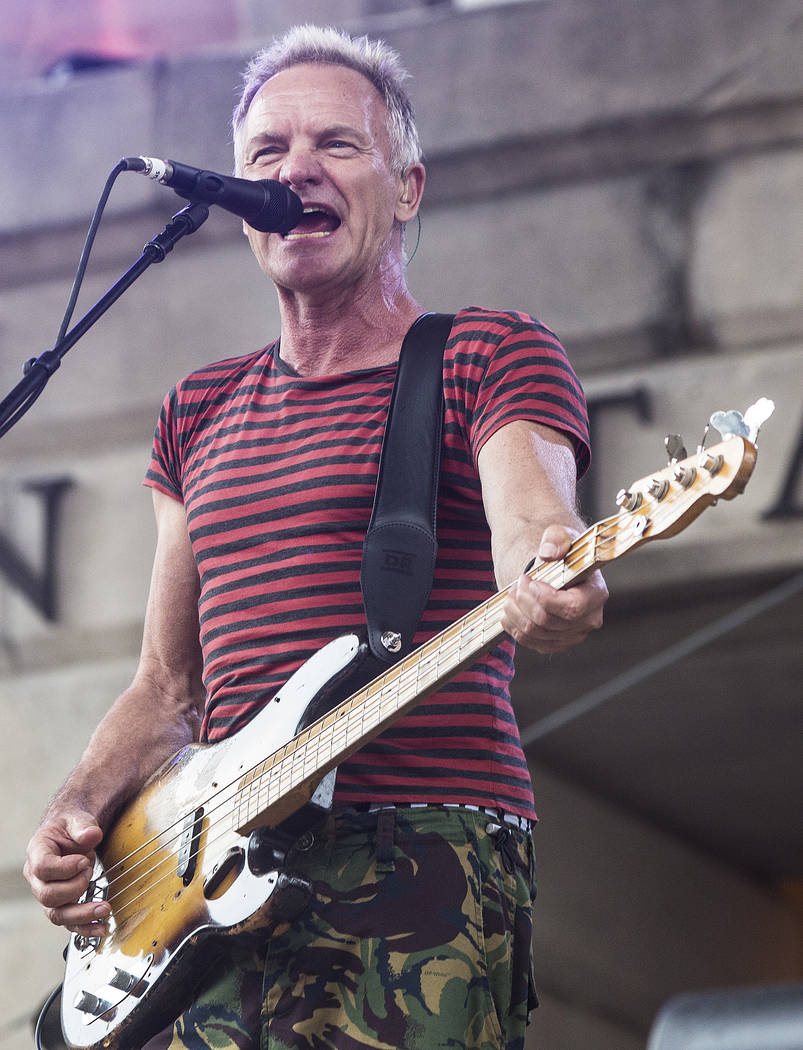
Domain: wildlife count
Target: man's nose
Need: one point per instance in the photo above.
(300, 167)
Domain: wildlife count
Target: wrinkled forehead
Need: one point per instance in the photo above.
(314, 95)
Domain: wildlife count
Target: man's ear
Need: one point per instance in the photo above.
(411, 189)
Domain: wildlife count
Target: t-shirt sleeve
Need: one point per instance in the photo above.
(164, 471)
(520, 371)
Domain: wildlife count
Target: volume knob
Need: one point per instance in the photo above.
(87, 1003)
(123, 980)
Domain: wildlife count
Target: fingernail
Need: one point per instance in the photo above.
(547, 550)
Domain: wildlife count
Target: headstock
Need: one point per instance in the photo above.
(664, 503)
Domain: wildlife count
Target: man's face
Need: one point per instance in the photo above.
(322, 130)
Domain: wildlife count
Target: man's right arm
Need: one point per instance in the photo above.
(158, 714)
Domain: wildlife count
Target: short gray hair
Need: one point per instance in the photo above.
(373, 59)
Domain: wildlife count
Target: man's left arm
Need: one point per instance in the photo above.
(528, 477)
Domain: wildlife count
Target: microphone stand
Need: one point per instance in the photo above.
(39, 369)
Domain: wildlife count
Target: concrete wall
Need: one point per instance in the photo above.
(631, 173)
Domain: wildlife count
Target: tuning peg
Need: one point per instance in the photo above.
(658, 488)
(730, 424)
(685, 476)
(674, 447)
(628, 500)
(710, 463)
(757, 415)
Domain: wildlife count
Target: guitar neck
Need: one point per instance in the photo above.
(351, 724)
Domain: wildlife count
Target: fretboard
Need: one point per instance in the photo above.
(349, 726)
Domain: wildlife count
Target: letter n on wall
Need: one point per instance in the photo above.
(37, 583)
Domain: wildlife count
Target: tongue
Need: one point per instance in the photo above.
(316, 222)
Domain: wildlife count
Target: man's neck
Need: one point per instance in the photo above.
(333, 337)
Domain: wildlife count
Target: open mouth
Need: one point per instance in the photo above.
(315, 222)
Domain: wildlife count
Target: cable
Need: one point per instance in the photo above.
(417, 241)
(90, 239)
(73, 298)
(40, 1021)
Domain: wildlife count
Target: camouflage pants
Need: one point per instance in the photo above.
(417, 937)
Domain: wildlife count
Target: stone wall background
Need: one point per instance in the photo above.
(629, 172)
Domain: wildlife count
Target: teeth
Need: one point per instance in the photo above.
(313, 210)
(299, 236)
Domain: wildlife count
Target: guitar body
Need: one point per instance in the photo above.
(177, 869)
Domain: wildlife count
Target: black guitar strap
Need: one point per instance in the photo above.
(398, 561)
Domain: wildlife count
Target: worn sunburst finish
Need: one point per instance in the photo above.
(162, 922)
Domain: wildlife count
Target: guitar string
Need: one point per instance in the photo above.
(552, 569)
(284, 767)
(602, 532)
(370, 709)
(372, 704)
(282, 770)
(375, 698)
(544, 570)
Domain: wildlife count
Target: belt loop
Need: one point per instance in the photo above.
(385, 838)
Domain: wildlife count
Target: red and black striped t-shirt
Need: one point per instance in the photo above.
(277, 473)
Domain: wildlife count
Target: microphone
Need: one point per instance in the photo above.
(266, 205)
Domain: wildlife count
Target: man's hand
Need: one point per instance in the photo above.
(155, 717)
(58, 866)
(540, 617)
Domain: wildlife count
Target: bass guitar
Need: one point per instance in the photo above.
(198, 853)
